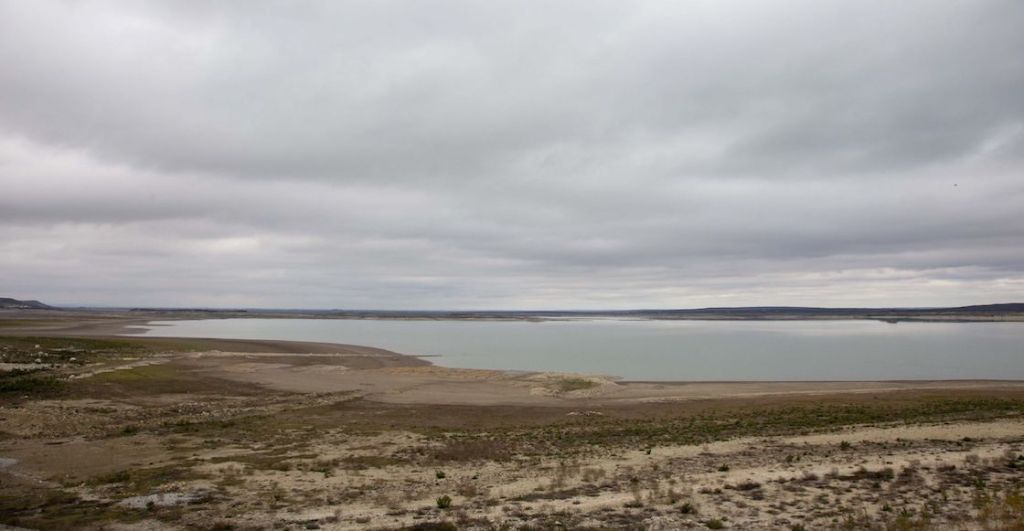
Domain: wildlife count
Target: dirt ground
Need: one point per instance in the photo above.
(101, 432)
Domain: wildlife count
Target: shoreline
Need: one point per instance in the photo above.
(402, 378)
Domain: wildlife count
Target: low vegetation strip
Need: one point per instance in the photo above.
(701, 428)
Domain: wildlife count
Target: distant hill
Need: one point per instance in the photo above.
(1007, 307)
(984, 312)
(15, 304)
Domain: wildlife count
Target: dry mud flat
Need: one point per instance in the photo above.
(201, 434)
(408, 380)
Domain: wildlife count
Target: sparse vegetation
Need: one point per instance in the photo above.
(29, 383)
(264, 453)
(568, 385)
(472, 448)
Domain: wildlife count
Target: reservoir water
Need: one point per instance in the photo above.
(667, 350)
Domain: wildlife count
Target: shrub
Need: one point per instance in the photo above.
(748, 485)
(444, 502)
(32, 384)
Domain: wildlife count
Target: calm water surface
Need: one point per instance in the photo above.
(668, 350)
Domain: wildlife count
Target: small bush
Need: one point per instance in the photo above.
(121, 476)
(884, 474)
(444, 502)
(714, 523)
(439, 474)
(748, 485)
(30, 384)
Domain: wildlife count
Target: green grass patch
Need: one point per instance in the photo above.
(290, 427)
(163, 378)
(44, 343)
(146, 373)
(139, 481)
(567, 385)
(266, 460)
(139, 381)
(32, 384)
(580, 436)
(58, 509)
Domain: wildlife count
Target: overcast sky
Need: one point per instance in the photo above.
(459, 155)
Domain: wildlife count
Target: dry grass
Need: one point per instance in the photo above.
(268, 458)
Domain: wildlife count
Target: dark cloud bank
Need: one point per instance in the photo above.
(512, 155)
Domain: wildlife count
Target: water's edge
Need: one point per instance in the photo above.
(663, 351)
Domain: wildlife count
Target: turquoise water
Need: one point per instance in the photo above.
(668, 350)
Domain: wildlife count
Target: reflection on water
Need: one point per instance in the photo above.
(669, 350)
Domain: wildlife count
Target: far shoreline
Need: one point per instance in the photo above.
(999, 312)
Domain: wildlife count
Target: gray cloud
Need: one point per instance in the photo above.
(467, 155)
